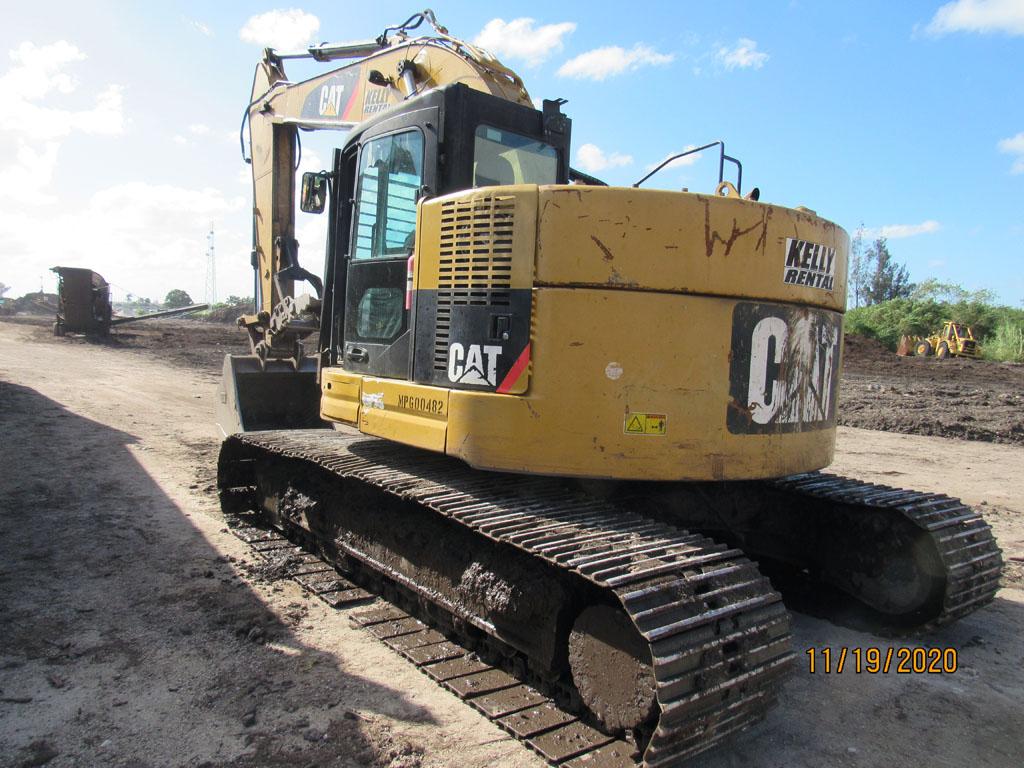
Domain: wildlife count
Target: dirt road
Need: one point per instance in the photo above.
(135, 635)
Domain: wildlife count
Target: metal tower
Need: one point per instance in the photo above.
(211, 269)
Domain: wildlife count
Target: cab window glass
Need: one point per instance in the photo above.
(380, 314)
(502, 157)
(390, 175)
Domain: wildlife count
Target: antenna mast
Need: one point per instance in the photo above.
(211, 269)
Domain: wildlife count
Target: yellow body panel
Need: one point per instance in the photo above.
(595, 363)
(644, 239)
(408, 413)
(339, 395)
(638, 300)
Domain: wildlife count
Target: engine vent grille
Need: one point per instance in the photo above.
(476, 243)
(474, 260)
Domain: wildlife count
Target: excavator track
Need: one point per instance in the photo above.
(971, 560)
(521, 710)
(714, 634)
(916, 560)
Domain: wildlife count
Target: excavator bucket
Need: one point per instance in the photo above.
(274, 395)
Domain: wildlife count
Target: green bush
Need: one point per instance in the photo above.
(998, 329)
(1007, 343)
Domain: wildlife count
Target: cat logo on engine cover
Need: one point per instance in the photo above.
(474, 364)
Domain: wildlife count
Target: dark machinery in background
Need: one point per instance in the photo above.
(83, 304)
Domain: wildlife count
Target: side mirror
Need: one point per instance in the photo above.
(314, 192)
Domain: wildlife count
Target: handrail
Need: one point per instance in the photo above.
(722, 157)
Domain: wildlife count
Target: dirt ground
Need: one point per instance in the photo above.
(958, 397)
(136, 632)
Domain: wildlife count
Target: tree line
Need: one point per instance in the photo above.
(874, 274)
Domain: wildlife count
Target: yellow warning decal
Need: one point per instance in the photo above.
(646, 424)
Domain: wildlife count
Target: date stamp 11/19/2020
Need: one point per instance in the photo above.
(875, 660)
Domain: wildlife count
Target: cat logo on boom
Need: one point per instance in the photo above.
(330, 100)
(476, 364)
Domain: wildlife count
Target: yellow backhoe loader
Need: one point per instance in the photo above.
(954, 340)
(521, 444)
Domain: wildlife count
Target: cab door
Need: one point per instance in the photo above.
(396, 165)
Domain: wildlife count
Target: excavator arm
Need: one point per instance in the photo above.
(275, 386)
(385, 72)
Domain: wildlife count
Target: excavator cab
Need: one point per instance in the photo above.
(370, 315)
(449, 139)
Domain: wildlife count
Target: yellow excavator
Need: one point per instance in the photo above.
(547, 400)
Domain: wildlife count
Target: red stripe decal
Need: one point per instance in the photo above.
(351, 100)
(516, 371)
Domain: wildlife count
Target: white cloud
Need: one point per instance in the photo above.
(980, 16)
(37, 73)
(896, 231)
(520, 39)
(311, 234)
(194, 130)
(679, 162)
(602, 63)
(743, 55)
(289, 29)
(198, 26)
(1014, 146)
(37, 69)
(28, 179)
(592, 158)
(310, 162)
(32, 131)
(138, 206)
(153, 235)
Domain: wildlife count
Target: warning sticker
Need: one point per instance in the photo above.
(646, 424)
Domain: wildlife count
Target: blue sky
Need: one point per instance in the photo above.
(118, 143)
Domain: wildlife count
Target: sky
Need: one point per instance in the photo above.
(119, 128)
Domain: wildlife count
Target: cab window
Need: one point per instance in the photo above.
(390, 176)
(502, 157)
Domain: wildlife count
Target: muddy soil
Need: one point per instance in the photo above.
(958, 397)
(188, 343)
(137, 630)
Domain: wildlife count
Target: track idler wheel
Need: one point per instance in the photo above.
(611, 666)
